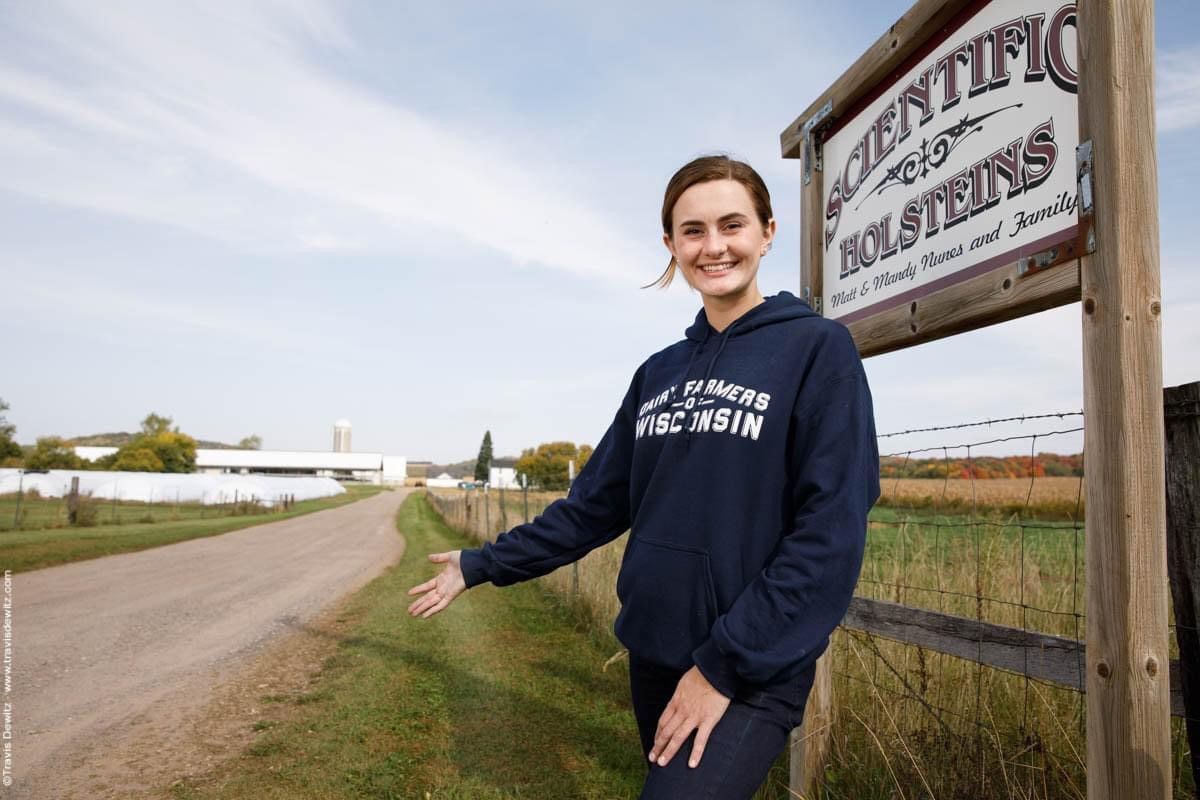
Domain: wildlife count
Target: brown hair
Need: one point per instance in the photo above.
(702, 170)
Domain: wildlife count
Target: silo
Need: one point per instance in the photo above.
(341, 436)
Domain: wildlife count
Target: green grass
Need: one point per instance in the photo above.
(26, 550)
(941, 561)
(907, 718)
(40, 513)
(34, 512)
(500, 696)
(586, 597)
(904, 716)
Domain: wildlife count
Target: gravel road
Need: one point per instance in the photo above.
(112, 645)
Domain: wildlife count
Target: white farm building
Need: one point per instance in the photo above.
(156, 487)
(366, 467)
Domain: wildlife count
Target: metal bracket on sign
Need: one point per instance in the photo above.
(813, 302)
(1083, 171)
(1037, 262)
(812, 150)
(1085, 166)
(1060, 253)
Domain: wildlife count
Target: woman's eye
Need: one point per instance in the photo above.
(734, 225)
(691, 231)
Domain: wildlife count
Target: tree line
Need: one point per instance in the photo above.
(159, 446)
(545, 467)
(983, 467)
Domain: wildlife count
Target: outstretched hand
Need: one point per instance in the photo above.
(439, 591)
(695, 706)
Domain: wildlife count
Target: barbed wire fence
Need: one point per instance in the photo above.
(960, 670)
(999, 552)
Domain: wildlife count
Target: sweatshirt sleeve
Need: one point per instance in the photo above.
(783, 619)
(595, 512)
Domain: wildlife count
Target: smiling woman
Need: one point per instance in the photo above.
(717, 224)
(743, 462)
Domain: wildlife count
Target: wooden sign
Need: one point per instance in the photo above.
(955, 123)
(959, 161)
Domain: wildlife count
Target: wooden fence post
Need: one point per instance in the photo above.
(1128, 702)
(810, 742)
(73, 501)
(503, 511)
(1181, 407)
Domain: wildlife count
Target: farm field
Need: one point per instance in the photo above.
(33, 512)
(138, 526)
(1042, 498)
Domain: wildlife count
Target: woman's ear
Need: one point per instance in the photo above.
(769, 231)
(671, 245)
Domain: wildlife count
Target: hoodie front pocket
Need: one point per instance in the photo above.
(668, 604)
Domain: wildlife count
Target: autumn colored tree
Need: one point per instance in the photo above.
(172, 451)
(153, 424)
(9, 449)
(546, 465)
(52, 452)
(140, 459)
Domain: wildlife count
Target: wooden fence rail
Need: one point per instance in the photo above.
(1052, 659)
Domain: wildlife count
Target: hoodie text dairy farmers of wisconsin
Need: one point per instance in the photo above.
(743, 463)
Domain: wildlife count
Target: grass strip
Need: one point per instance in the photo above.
(21, 551)
(500, 696)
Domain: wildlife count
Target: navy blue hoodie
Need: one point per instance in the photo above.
(743, 463)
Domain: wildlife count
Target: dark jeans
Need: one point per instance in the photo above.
(750, 735)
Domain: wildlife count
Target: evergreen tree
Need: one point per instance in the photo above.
(483, 462)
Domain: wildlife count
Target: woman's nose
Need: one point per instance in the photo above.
(714, 245)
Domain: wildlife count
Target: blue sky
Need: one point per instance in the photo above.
(433, 218)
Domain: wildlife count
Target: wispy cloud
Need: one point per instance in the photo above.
(93, 304)
(224, 122)
(1178, 90)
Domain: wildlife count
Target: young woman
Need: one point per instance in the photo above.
(743, 462)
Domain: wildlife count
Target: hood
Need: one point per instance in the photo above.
(776, 308)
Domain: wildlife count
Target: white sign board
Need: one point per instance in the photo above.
(962, 164)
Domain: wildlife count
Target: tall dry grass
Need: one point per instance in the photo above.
(911, 723)
(1055, 498)
(588, 585)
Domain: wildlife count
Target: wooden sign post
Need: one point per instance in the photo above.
(985, 160)
(1128, 704)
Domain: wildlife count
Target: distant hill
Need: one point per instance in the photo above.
(122, 439)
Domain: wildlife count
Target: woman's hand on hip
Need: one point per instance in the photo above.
(695, 706)
(439, 591)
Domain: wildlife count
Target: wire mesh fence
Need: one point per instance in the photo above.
(31, 512)
(1006, 551)
(973, 686)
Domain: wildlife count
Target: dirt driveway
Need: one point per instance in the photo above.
(117, 654)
